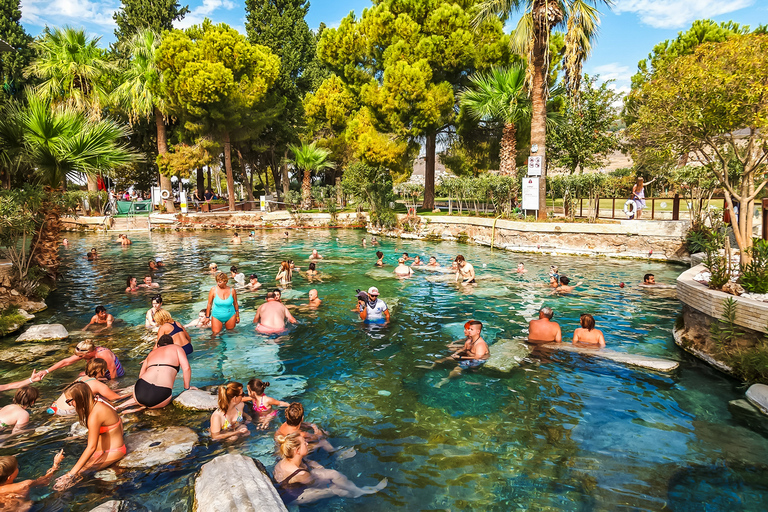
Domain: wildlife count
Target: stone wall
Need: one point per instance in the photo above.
(658, 240)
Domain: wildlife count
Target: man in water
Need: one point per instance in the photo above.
(271, 316)
(543, 330)
(101, 318)
(313, 300)
(433, 262)
(521, 269)
(649, 280)
(148, 283)
(406, 257)
(472, 355)
(464, 271)
(315, 255)
(564, 287)
(372, 309)
(254, 283)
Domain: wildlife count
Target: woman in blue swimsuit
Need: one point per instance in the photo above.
(166, 325)
(222, 305)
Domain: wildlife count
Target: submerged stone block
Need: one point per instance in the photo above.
(197, 400)
(507, 354)
(757, 394)
(44, 332)
(152, 448)
(650, 363)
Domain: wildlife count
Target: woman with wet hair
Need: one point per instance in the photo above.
(167, 325)
(95, 369)
(228, 420)
(285, 274)
(87, 350)
(222, 306)
(587, 335)
(105, 433)
(15, 415)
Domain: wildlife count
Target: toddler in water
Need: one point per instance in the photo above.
(15, 495)
(262, 404)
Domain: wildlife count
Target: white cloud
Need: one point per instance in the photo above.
(613, 71)
(75, 12)
(677, 13)
(199, 13)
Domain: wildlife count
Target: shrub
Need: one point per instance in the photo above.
(754, 275)
(700, 237)
(725, 330)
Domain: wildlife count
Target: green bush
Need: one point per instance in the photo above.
(9, 319)
(717, 264)
(751, 364)
(725, 330)
(754, 275)
(700, 237)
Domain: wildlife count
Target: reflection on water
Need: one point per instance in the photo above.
(561, 432)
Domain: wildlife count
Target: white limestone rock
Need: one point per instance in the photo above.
(27, 353)
(33, 307)
(78, 430)
(234, 482)
(507, 354)
(155, 447)
(196, 399)
(25, 314)
(757, 394)
(44, 332)
(110, 506)
(650, 363)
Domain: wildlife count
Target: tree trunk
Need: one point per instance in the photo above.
(540, 68)
(228, 169)
(339, 195)
(508, 153)
(162, 148)
(306, 190)
(45, 242)
(429, 173)
(248, 184)
(286, 178)
(200, 182)
(93, 183)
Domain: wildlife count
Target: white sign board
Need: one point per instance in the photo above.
(156, 199)
(530, 193)
(263, 203)
(534, 166)
(183, 200)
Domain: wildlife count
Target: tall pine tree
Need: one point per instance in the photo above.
(158, 15)
(13, 63)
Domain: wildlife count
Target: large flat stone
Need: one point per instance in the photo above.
(197, 400)
(155, 447)
(234, 482)
(27, 353)
(507, 354)
(110, 506)
(33, 307)
(757, 394)
(650, 363)
(44, 332)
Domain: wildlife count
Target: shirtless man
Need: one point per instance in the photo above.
(564, 287)
(406, 257)
(543, 330)
(15, 415)
(123, 239)
(15, 495)
(521, 269)
(464, 270)
(649, 280)
(433, 262)
(313, 300)
(100, 318)
(148, 283)
(254, 283)
(473, 354)
(236, 239)
(271, 316)
(294, 422)
(315, 255)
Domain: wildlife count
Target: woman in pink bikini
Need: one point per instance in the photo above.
(262, 404)
(105, 433)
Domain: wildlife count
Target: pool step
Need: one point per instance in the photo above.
(138, 223)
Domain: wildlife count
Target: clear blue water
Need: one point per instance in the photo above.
(561, 432)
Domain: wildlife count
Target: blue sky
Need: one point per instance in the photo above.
(628, 31)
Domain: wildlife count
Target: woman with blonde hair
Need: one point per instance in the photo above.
(285, 274)
(94, 370)
(105, 433)
(302, 482)
(587, 335)
(88, 350)
(167, 325)
(222, 305)
(227, 422)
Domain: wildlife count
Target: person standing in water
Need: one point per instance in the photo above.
(271, 316)
(372, 310)
(100, 318)
(222, 306)
(465, 272)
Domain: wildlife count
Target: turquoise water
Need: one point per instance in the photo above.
(561, 432)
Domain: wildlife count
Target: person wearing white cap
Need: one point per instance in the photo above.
(372, 309)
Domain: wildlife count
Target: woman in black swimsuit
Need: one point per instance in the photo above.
(166, 325)
(300, 481)
(154, 389)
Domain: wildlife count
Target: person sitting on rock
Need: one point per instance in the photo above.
(15, 495)
(95, 370)
(294, 422)
(543, 330)
(473, 354)
(228, 420)
(15, 415)
(402, 269)
(587, 335)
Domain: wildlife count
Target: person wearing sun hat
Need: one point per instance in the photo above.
(372, 309)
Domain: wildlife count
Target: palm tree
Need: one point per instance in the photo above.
(531, 38)
(309, 158)
(58, 142)
(500, 95)
(137, 92)
(74, 72)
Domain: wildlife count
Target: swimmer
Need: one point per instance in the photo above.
(285, 274)
(152, 265)
(372, 310)
(106, 444)
(235, 239)
(417, 262)
(252, 235)
(89, 256)
(315, 255)
(15, 495)
(544, 330)
(95, 370)
(123, 239)
(300, 482)
(314, 302)
(149, 318)
(15, 416)
(159, 262)
(464, 271)
(213, 268)
(65, 242)
(131, 285)
(236, 276)
(380, 261)
(262, 404)
(433, 262)
(201, 322)
(94, 254)
(254, 283)
(271, 316)
(312, 271)
(521, 269)
(554, 276)
(148, 283)
(227, 421)
(278, 295)
(649, 280)
(87, 350)
(587, 335)
(374, 241)
(402, 269)
(406, 257)
(294, 422)
(100, 318)
(365, 244)
(222, 305)
(564, 285)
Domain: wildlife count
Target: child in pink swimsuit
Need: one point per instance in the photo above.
(262, 404)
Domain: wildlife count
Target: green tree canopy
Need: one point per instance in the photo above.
(156, 15)
(213, 78)
(12, 64)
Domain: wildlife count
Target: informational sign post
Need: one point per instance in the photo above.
(534, 166)
(156, 199)
(530, 193)
(263, 203)
(183, 200)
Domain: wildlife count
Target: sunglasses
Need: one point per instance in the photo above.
(69, 401)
